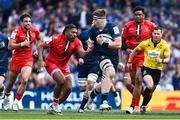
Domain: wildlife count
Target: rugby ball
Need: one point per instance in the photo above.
(106, 38)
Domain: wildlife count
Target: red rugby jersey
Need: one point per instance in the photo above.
(130, 34)
(19, 35)
(57, 47)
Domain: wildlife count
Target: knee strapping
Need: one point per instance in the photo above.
(104, 64)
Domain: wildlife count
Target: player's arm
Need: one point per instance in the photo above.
(135, 51)
(166, 57)
(123, 46)
(41, 47)
(12, 42)
(116, 43)
(121, 65)
(82, 53)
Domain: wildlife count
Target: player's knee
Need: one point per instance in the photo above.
(90, 86)
(138, 82)
(60, 81)
(68, 89)
(150, 85)
(24, 81)
(110, 72)
(127, 81)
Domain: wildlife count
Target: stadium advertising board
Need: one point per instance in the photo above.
(42, 98)
(161, 101)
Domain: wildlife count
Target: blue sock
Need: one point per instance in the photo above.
(83, 103)
(94, 93)
(104, 97)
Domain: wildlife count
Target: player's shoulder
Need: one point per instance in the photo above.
(146, 42)
(57, 36)
(34, 29)
(164, 42)
(130, 23)
(76, 40)
(149, 22)
(85, 32)
(19, 28)
(2, 36)
(110, 24)
(84, 35)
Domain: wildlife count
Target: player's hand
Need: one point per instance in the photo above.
(26, 43)
(121, 66)
(35, 53)
(129, 51)
(99, 40)
(90, 46)
(80, 61)
(41, 65)
(158, 60)
(129, 65)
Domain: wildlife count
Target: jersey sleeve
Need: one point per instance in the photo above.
(152, 25)
(14, 35)
(167, 50)
(124, 32)
(49, 42)
(78, 44)
(115, 31)
(142, 45)
(92, 36)
(37, 32)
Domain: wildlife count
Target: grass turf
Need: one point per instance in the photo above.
(93, 115)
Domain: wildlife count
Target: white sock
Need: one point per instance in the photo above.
(16, 101)
(6, 97)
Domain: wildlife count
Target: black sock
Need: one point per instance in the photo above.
(104, 97)
(83, 103)
(2, 89)
(147, 96)
(94, 93)
(132, 106)
(114, 94)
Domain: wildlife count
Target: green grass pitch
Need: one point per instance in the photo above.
(93, 115)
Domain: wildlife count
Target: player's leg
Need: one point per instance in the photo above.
(59, 78)
(25, 74)
(82, 80)
(91, 79)
(11, 80)
(96, 91)
(115, 94)
(82, 77)
(152, 81)
(92, 76)
(108, 75)
(2, 78)
(66, 89)
(148, 92)
(128, 80)
(136, 92)
(3, 71)
(2, 88)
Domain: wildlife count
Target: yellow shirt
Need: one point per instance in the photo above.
(151, 53)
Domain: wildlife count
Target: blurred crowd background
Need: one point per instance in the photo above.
(50, 17)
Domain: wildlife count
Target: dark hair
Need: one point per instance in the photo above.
(25, 15)
(99, 13)
(139, 8)
(157, 28)
(68, 27)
